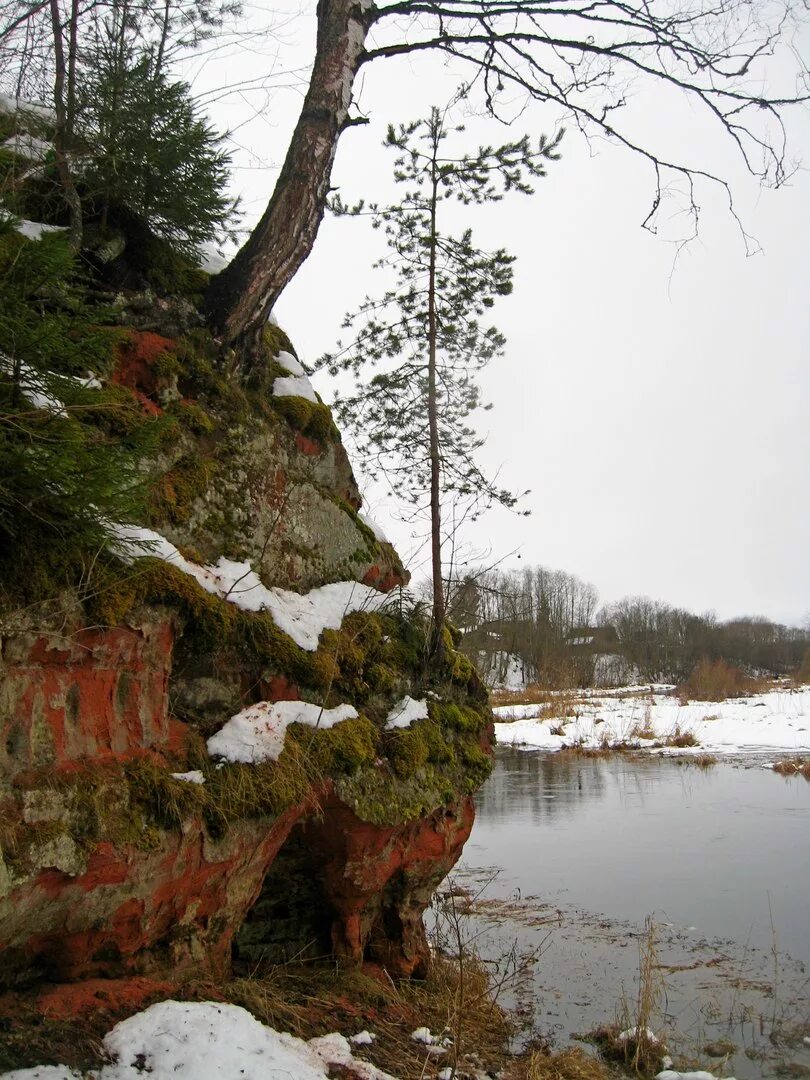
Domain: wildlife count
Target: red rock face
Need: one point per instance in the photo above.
(169, 911)
(384, 578)
(93, 695)
(134, 367)
(98, 697)
(378, 880)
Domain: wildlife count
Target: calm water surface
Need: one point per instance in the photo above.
(724, 850)
(572, 854)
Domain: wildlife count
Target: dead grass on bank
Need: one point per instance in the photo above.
(315, 999)
(797, 766)
(552, 704)
(717, 680)
(570, 1064)
(677, 738)
(575, 696)
(698, 761)
(604, 749)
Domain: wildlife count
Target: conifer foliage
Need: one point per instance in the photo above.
(424, 336)
(150, 152)
(65, 479)
(128, 142)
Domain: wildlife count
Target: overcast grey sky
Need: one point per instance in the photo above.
(659, 410)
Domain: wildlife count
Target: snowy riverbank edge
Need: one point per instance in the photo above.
(775, 722)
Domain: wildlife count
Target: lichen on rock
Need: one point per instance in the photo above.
(111, 864)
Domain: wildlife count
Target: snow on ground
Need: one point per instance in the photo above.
(405, 712)
(35, 230)
(777, 720)
(503, 671)
(257, 733)
(362, 1038)
(11, 105)
(192, 777)
(303, 616)
(176, 1040)
(672, 1074)
(44, 1072)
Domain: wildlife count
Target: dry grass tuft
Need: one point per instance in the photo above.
(630, 1040)
(310, 999)
(678, 738)
(643, 729)
(640, 1055)
(555, 703)
(717, 680)
(793, 767)
(699, 761)
(605, 748)
(570, 1064)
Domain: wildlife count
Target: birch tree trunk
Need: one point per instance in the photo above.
(242, 296)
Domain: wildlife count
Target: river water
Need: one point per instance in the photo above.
(570, 855)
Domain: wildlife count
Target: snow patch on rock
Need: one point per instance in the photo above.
(257, 733)
(405, 712)
(375, 528)
(303, 617)
(289, 363)
(295, 386)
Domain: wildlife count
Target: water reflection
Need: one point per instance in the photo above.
(588, 847)
(543, 786)
(724, 851)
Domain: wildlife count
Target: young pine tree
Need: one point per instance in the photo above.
(424, 335)
(151, 154)
(64, 482)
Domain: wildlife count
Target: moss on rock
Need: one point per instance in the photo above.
(311, 418)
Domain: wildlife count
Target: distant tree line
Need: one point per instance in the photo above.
(544, 625)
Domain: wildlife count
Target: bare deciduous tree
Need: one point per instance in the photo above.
(577, 54)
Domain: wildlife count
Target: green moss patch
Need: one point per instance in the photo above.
(463, 718)
(152, 581)
(172, 496)
(311, 418)
(276, 341)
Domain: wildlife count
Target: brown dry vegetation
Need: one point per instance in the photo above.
(570, 1064)
(801, 676)
(554, 703)
(717, 680)
(797, 766)
(678, 738)
(699, 761)
(310, 1000)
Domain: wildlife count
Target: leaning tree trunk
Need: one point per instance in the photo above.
(242, 296)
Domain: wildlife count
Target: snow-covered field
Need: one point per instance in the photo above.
(777, 722)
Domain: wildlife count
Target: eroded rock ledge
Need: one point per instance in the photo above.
(111, 867)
